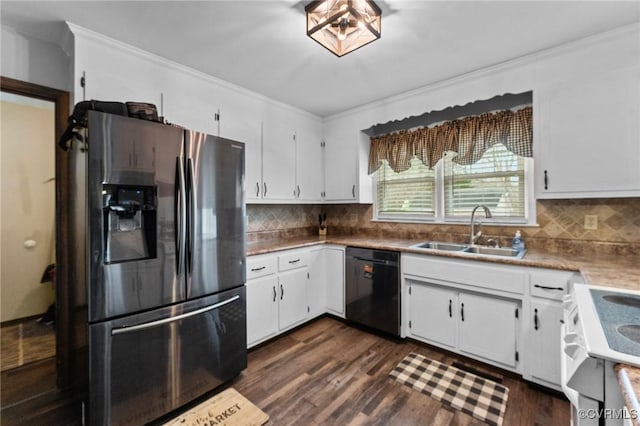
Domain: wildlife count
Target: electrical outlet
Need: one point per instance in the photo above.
(591, 222)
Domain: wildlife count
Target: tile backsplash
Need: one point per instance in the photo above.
(558, 220)
(282, 220)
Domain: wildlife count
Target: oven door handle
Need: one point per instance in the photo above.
(143, 326)
(571, 394)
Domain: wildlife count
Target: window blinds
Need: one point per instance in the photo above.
(496, 180)
(406, 193)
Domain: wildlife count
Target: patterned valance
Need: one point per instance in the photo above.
(470, 137)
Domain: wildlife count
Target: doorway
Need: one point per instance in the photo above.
(35, 331)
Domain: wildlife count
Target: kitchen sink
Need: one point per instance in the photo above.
(474, 250)
(438, 245)
(630, 331)
(494, 251)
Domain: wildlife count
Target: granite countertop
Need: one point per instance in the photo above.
(617, 271)
(622, 272)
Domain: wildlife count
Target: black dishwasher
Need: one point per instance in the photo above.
(373, 289)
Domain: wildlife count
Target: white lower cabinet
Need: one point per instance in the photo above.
(479, 326)
(489, 328)
(317, 284)
(287, 288)
(276, 294)
(433, 314)
(293, 297)
(262, 309)
(334, 267)
(542, 328)
(544, 338)
(505, 315)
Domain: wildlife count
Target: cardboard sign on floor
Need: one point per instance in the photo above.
(227, 408)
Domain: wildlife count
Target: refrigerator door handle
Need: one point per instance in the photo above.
(191, 212)
(129, 328)
(179, 215)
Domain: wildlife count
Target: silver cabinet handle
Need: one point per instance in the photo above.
(258, 269)
(257, 189)
(294, 261)
(281, 292)
(127, 328)
(264, 185)
(353, 191)
(274, 293)
(298, 187)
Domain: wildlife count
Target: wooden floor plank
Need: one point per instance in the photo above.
(329, 373)
(333, 374)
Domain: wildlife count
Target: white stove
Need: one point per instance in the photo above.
(598, 332)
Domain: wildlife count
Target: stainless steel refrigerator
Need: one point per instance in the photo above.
(158, 222)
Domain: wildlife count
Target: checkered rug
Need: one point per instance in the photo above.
(481, 398)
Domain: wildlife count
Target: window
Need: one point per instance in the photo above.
(449, 192)
(406, 194)
(497, 181)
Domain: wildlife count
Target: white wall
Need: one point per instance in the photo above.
(28, 200)
(35, 61)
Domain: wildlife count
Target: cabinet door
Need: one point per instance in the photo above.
(278, 159)
(544, 340)
(242, 123)
(309, 171)
(589, 131)
(488, 328)
(433, 314)
(341, 162)
(317, 287)
(262, 309)
(293, 297)
(334, 261)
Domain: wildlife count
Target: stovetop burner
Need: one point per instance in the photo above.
(619, 316)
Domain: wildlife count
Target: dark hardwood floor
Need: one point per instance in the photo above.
(330, 373)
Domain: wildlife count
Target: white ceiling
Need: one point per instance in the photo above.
(262, 45)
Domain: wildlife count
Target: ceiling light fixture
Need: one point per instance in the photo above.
(343, 26)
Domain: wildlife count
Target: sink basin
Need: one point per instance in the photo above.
(439, 245)
(494, 251)
(465, 248)
(623, 300)
(630, 331)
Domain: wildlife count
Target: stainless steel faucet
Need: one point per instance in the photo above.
(475, 236)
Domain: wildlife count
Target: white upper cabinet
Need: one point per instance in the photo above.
(240, 121)
(341, 161)
(587, 134)
(309, 162)
(278, 156)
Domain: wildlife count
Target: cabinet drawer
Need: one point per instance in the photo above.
(261, 266)
(292, 260)
(550, 285)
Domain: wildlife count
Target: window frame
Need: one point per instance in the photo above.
(530, 217)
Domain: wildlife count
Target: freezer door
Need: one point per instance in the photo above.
(216, 245)
(147, 365)
(136, 194)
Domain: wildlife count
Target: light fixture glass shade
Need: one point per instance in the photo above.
(343, 26)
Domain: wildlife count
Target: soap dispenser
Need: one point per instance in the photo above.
(517, 243)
